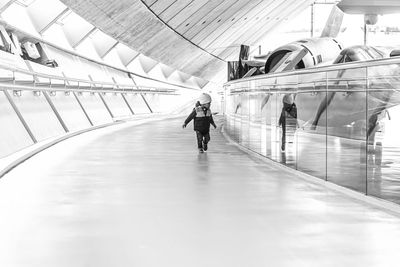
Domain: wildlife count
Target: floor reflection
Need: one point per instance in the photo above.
(343, 161)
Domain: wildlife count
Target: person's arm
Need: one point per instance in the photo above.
(282, 117)
(212, 122)
(189, 118)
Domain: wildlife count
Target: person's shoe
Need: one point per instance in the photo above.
(201, 150)
(205, 147)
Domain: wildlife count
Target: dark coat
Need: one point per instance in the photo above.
(288, 115)
(202, 118)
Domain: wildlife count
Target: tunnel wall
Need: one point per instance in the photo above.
(342, 128)
(29, 116)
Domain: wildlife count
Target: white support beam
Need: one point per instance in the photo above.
(147, 63)
(75, 45)
(126, 54)
(103, 43)
(167, 71)
(157, 73)
(199, 82)
(65, 11)
(44, 13)
(184, 76)
(109, 50)
(76, 29)
(4, 4)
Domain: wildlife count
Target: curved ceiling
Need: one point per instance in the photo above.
(193, 36)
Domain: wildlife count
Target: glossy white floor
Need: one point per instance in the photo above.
(144, 196)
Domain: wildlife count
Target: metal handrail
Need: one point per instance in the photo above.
(314, 70)
(94, 85)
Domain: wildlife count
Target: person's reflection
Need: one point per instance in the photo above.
(282, 158)
(202, 168)
(288, 119)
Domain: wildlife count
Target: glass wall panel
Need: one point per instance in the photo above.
(38, 114)
(276, 134)
(383, 161)
(229, 114)
(237, 123)
(154, 102)
(266, 99)
(346, 128)
(117, 104)
(137, 103)
(245, 120)
(255, 122)
(265, 108)
(69, 110)
(311, 134)
(285, 119)
(95, 108)
(13, 135)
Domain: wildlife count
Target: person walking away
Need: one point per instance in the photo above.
(288, 119)
(202, 119)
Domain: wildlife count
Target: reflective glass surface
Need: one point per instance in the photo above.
(137, 103)
(13, 135)
(346, 125)
(69, 110)
(245, 120)
(117, 105)
(255, 122)
(311, 133)
(383, 125)
(340, 125)
(94, 107)
(38, 114)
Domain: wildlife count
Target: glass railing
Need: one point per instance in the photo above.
(339, 123)
(36, 107)
(13, 76)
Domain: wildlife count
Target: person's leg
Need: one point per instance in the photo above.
(283, 137)
(199, 137)
(206, 140)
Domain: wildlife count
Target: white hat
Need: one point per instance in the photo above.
(288, 98)
(204, 99)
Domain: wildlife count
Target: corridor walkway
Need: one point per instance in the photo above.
(143, 196)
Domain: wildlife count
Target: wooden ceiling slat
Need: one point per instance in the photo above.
(215, 28)
(149, 2)
(198, 17)
(159, 6)
(188, 13)
(174, 9)
(113, 8)
(245, 15)
(279, 14)
(243, 36)
(167, 45)
(293, 8)
(210, 16)
(292, 11)
(230, 36)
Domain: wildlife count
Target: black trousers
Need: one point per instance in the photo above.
(202, 138)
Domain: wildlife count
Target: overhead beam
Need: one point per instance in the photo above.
(76, 29)
(54, 21)
(4, 4)
(81, 40)
(126, 54)
(45, 13)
